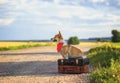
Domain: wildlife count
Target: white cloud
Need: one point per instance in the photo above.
(6, 21)
(57, 1)
(2, 1)
(51, 9)
(81, 17)
(95, 1)
(41, 12)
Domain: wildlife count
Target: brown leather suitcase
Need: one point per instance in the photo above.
(73, 69)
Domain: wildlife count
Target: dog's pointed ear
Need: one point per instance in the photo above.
(60, 35)
(59, 32)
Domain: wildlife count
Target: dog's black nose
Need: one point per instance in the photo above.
(51, 38)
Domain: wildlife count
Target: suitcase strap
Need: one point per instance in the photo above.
(77, 61)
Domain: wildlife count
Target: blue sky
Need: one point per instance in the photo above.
(42, 19)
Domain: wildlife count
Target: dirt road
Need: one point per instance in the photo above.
(35, 65)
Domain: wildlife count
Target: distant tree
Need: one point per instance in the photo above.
(73, 40)
(99, 39)
(116, 36)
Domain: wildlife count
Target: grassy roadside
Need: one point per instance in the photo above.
(20, 45)
(106, 62)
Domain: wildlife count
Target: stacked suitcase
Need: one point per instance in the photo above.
(73, 65)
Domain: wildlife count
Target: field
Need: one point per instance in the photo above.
(21, 45)
(9, 44)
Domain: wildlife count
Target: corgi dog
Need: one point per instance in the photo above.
(67, 51)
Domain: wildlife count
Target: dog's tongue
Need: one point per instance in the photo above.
(59, 46)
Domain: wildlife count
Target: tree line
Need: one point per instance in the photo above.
(115, 38)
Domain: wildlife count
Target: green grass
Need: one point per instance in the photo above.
(107, 75)
(101, 56)
(106, 61)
